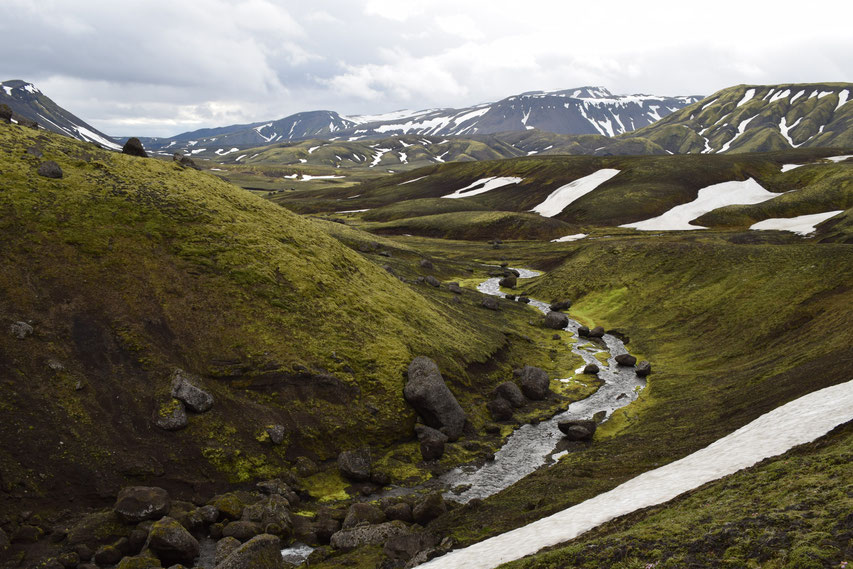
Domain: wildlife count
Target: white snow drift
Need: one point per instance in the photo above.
(560, 198)
(489, 184)
(718, 195)
(566, 238)
(800, 421)
(801, 224)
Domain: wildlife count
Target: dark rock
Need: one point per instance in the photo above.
(429, 508)
(34, 151)
(390, 269)
(349, 539)
(224, 548)
(279, 487)
(555, 337)
(384, 253)
(20, 330)
(97, 529)
(432, 442)
(405, 547)
(625, 360)
(399, 511)
(171, 542)
(454, 288)
(510, 297)
(355, 464)
(534, 383)
(29, 123)
(69, 559)
(492, 429)
(5, 543)
(85, 553)
(184, 161)
(123, 545)
(556, 320)
(171, 415)
(599, 417)
(432, 281)
(500, 409)
(581, 430)
(107, 555)
(644, 368)
(49, 169)
(362, 513)
(561, 305)
(277, 434)
(523, 300)
(325, 527)
(27, 534)
(426, 264)
(597, 332)
(229, 505)
(260, 552)
(426, 391)
(591, 369)
(138, 503)
(510, 391)
(133, 147)
(138, 562)
(583, 332)
(136, 540)
(5, 113)
(242, 530)
(183, 389)
(508, 281)
(490, 302)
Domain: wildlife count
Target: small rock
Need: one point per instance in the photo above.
(534, 383)
(171, 415)
(583, 332)
(242, 530)
(597, 332)
(429, 508)
(556, 320)
(20, 330)
(184, 161)
(133, 147)
(34, 151)
(135, 504)
(492, 429)
(69, 559)
(260, 552)
(591, 369)
(426, 263)
(523, 300)
(276, 433)
(399, 511)
(49, 169)
(432, 442)
(306, 467)
(362, 513)
(510, 391)
(355, 464)
(107, 555)
(454, 288)
(625, 360)
(490, 302)
(171, 542)
(500, 409)
(404, 547)
(561, 305)
(432, 281)
(581, 430)
(194, 398)
(508, 281)
(644, 368)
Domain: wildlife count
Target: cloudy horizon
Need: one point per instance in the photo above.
(157, 68)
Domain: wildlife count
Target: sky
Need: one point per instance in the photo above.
(162, 67)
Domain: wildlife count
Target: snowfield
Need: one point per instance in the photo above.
(800, 421)
(801, 224)
(488, 184)
(560, 198)
(709, 199)
(566, 238)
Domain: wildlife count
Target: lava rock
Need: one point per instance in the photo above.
(133, 147)
(625, 360)
(426, 391)
(534, 383)
(401, 548)
(454, 288)
(399, 511)
(556, 320)
(171, 416)
(432, 281)
(355, 464)
(523, 300)
(184, 161)
(34, 151)
(260, 552)
(194, 398)
(171, 542)
(583, 332)
(69, 559)
(508, 281)
(597, 332)
(425, 264)
(591, 369)
(490, 302)
(560, 305)
(229, 506)
(5, 113)
(49, 169)
(581, 430)
(107, 555)
(500, 409)
(429, 508)
(432, 442)
(135, 504)
(276, 433)
(20, 330)
(242, 530)
(224, 548)
(510, 391)
(644, 368)
(362, 513)
(349, 539)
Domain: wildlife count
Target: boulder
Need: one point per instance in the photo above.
(349, 539)
(224, 548)
(534, 383)
(185, 161)
(355, 464)
(591, 369)
(260, 552)
(29, 123)
(171, 415)
(184, 389)
(133, 147)
(523, 300)
(277, 434)
(490, 302)
(27, 534)
(425, 264)
(561, 305)
(362, 513)
(432, 281)
(139, 562)
(510, 391)
(229, 505)
(34, 151)
(242, 530)
(429, 508)
(556, 320)
(625, 360)
(454, 288)
(597, 332)
(644, 368)
(5, 113)
(581, 430)
(399, 511)
(325, 526)
(20, 330)
(135, 504)
(97, 529)
(500, 409)
(426, 391)
(401, 548)
(171, 542)
(432, 442)
(69, 559)
(49, 169)
(508, 281)
(583, 332)
(107, 555)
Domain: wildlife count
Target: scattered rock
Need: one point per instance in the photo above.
(171, 415)
(556, 320)
(260, 552)
(581, 430)
(69, 559)
(625, 360)
(454, 288)
(591, 369)
(49, 169)
(349, 539)
(510, 391)
(194, 398)
(242, 530)
(561, 305)
(20, 330)
(401, 548)
(510, 297)
(500, 409)
(426, 391)
(523, 300)
(172, 542)
(399, 511)
(137, 538)
(432, 442)
(429, 508)
(325, 526)
(138, 503)
(355, 464)
(583, 332)
(508, 281)
(362, 513)
(107, 555)
(34, 151)
(138, 562)
(426, 264)
(29, 123)
(644, 368)
(432, 281)
(224, 548)
(534, 383)
(184, 161)
(277, 434)
(305, 467)
(229, 506)
(133, 147)
(5, 113)
(597, 332)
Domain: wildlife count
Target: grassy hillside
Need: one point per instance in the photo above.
(477, 225)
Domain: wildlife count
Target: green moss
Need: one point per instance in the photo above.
(326, 486)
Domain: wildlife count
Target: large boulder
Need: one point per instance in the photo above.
(429, 508)
(591, 369)
(260, 552)
(432, 442)
(5, 113)
(272, 511)
(401, 548)
(185, 161)
(49, 169)
(644, 368)
(399, 511)
(171, 415)
(426, 391)
(355, 464)
(224, 548)
(508, 281)
(349, 539)
(242, 530)
(510, 391)
(135, 504)
(171, 542)
(625, 360)
(184, 389)
(597, 332)
(534, 383)
(581, 430)
(556, 320)
(133, 147)
(500, 409)
(362, 513)
(583, 332)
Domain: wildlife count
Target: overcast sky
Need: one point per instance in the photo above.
(160, 67)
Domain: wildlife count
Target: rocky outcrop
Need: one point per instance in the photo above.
(171, 542)
(581, 430)
(556, 320)
(625, 360)
(355, 464)
(133, 147)
(185, 161)
(260, 552)
(349, 539)
(432, 442)
(135, 504)
(511, 392)
(426, 391)
(5, 113)
(534, 383)
(49, 169)
(185, 390)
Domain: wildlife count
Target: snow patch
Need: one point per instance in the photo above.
(560, 198)
(488, 184)
(750, 93)
(95, 137)
(566, 238)
(842, 98)
(780, 95)
(797, 96)
(223, 152)
(741, 128)
(837, 159)
(801, 224)
(8, 90)
(240, 157)
(784, 128)
(308, 178)
(789, 167)
(411, 181)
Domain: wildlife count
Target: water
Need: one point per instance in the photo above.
(296, 553)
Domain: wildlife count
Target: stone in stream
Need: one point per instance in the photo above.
(523, 300)
(625, 360)
(510, 391)
(508, 281)
(355, 464)
(591, 369)
(597, 332)
(583, 332)
(580, 430)
(644, 368)
(432, 442)
(534, 383)
(560, 305)
(490, 302)
(500, 409)
(426, 391)
(556, 320)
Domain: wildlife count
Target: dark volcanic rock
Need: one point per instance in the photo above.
(523, 300)
(582, 430)
(171, 415)
(591, 369)
(399, 511)
(556, 320)
(404, 547)
(500, 409)
(276, 433)
(362, 513)
(561, 305)
(432, 281)
(510, 391)
(454, 288)
(185, 161)
(349, 539)
(172, 542)
(432, 442)
(426, 391)
(429, 508)
(49, 169)
(425, 264)
(355, 464)
(242, 530)
(184, 389)
(583, 332)
(508, 281)
(134, 148)
(644, 368)
(260, 552)
(625, 360)
(491, 303)
(107, 555)
(138, 503)
(5, 113)
(224, 548)
(597, 332)
(534, 383)
(20, 330)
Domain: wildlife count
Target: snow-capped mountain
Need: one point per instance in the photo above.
(27, 101)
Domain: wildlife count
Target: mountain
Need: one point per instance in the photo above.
(586, 110)
(758, 118)
(27, 101)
